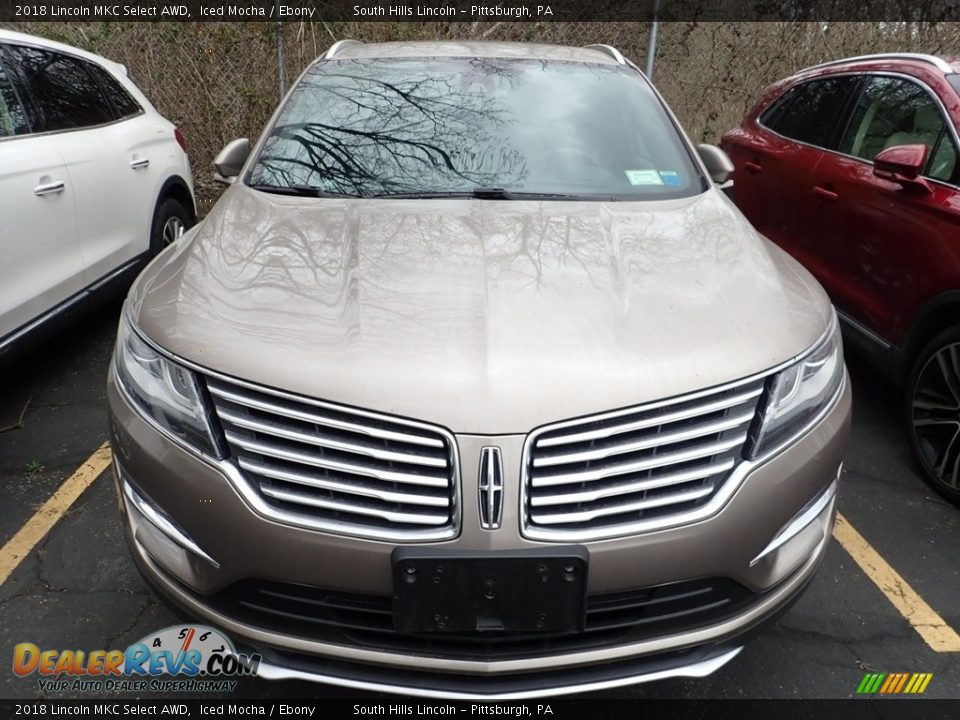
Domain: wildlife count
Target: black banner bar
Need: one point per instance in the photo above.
(559, 709)
(475, 10)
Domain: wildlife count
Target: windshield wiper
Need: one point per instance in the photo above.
(302, 191)
(481, 193)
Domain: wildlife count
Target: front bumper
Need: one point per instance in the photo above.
(239, 544)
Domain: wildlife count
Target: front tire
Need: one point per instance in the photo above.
(933, 413)
(170, 220)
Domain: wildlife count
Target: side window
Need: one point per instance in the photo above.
(810, 112)
(770, 117)
(67, 95)
(123, 104)
(13, 119)
(893, 111)
(942, 164)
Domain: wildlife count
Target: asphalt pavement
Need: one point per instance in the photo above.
(78, 588)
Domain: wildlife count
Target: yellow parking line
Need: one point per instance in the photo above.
(20, 545)
(923, 618)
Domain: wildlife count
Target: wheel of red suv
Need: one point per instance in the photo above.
(170, 221)
(933, 413)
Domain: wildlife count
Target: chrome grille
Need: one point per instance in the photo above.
(637, 469)
(337, 469)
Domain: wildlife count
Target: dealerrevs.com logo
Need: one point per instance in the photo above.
(180, 658)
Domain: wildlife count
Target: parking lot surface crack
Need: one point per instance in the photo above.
(845, 641)
(147, 604)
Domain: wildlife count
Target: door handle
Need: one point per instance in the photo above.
(752, 167)
(822, 192)
(139, 164)
(51, 188)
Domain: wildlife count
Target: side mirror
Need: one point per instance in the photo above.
(230, 160)
(902, 164)
(717, 162)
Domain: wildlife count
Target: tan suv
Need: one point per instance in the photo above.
(474, 384)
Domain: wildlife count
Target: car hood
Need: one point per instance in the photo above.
(484, 316)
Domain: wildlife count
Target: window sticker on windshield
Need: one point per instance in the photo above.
(671, 177)
(643, 177)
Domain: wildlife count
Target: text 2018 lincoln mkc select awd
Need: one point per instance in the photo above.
(474, 384)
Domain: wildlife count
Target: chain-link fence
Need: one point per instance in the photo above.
(219, 81)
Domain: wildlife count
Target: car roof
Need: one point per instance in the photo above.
(947, 65)
(471, 48)
(36, 40)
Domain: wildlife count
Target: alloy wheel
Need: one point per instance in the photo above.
(173, 228)
(936, 415)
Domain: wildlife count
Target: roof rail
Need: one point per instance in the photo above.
(338, 46)
(609, 50)
(938, 63)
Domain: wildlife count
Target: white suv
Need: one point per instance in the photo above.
(93, 182)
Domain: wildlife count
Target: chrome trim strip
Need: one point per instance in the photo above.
(632, 487)
(99, 126)
(327, 484)
(349, 653)
(338, 46)
(661, 440)
(264, 448)
(653, 422)
(802, 519)
(277, 430)
(701, 451)
(698, 670)
(292, 413)
(939, 63)
(587, 515)
(608, 50)
(259, 506)
(159, 520)
(292, 496)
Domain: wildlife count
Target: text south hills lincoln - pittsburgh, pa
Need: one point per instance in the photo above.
(428, 10)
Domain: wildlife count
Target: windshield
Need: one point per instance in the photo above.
(459, 125)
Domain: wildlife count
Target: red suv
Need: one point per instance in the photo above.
(852, 168)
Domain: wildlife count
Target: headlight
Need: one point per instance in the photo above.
(800, 392)
(162, 390)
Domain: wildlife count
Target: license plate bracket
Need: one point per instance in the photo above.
(536, 591)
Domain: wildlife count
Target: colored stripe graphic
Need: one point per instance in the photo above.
(891, 679)
(894, 683)
(902, 680)
(870, 683)
(914, 683)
